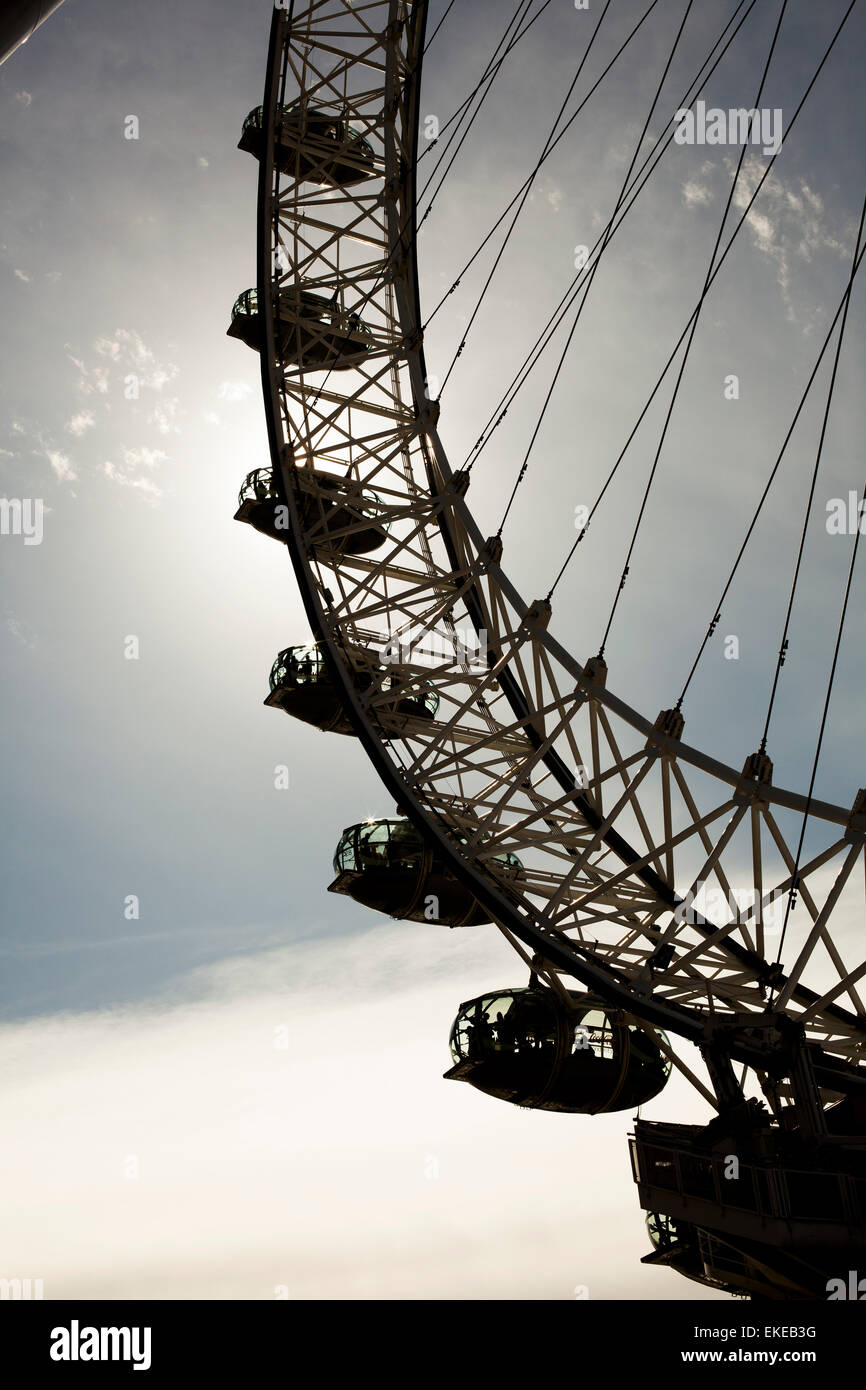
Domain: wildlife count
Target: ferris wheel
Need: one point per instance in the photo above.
(530, 794)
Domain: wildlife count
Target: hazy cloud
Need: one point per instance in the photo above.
(696, 194)
(308, 1110)
(164, 415)
(128, 349)
(143, 457)
(233, 391)
(20, 630)
(91, 380)
(61, 465)
(80, 423)
(787, 222)
(124, 478)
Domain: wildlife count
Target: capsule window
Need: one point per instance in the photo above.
(258, 486)
(297, 666)
(502, 1025)
(643, 1047)
(662, 1230)
(594, 1033)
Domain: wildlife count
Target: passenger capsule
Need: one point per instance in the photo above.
(313, 145)
(529, 1047)
(301, 686)
(311, 329)
(337, 512)
(386, 865)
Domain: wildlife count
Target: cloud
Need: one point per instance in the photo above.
(164, 414)
(159, 377)
(125, 355)
(91, 380)
(143, 457)
(787, 222)
(279, 1123)
(696, 194)
(81, 422)
(234, 391)
(61, 465)
(129, 356)
(141, 484)
(20, 630)
(107, 348)
(24, 98)
(128, 350)
(622, 152)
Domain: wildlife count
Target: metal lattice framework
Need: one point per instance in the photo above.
(621, 825)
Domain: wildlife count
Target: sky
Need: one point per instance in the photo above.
(237, 1092)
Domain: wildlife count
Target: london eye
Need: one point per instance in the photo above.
(533, 795)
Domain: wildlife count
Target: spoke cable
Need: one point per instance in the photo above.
(717, 611)
(560, 136)
(489, 76)
(439, 25)
(588, 285)
(383, 279)
(716, 271)
(526, 192)
(792, 896)
(493, 67)
(691, 338)
(547, 334)
(783, 646)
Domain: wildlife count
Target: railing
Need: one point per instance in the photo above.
(771, 1192)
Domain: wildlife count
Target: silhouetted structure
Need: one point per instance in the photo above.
(19, 19)
(386, 865)
(302, 687)
(535, 1048)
